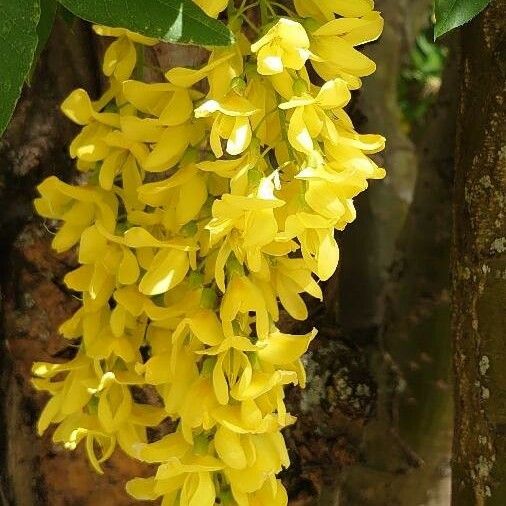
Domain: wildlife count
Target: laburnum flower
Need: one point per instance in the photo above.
(284, 46)
(172, 105)
(107, 144)
(309, 120)
(208, 207)
(324, 10)
(334, 41)
(251, 217)
(121, 56)
(230, 121)
(212, 7)
(224, 64)
(77, 208)
(92, 405)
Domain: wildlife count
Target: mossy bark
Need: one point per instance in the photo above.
(479, 266)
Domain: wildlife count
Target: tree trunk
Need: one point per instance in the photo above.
(479, 266)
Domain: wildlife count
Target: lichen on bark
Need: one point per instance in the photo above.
(479, 263)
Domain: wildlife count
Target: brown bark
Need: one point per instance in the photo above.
(479, 265)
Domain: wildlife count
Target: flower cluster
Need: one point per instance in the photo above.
(209, 206)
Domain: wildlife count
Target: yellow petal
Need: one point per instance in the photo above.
(128, 271)
(229, 448)
(298, 133)
(285, 348)
(205, 494)
(168, 269)
(142, 489)
(169, 149)
(219, 381)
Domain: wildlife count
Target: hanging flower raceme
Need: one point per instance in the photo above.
(210, 204)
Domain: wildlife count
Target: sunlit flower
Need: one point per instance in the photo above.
(285, 45)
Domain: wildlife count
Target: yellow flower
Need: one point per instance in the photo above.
(283, 349)
(190, 479)
(269, 494)
(242, 297)
(323, 10)
(121, 56)
(184, 193)
(92, 405)
(230, 121)
(335, 42)
(270, 457)
(222, 67)
(316, 237)
(172, 105)
(250, 216)
(81, 110)
(285, 45)
(237, 170)
(212, 7)
(265, 122)
(77, 207)
(106, 31)
(235, 378)
(290, 278)
(248, 418)
(310, 120)
(69, 395)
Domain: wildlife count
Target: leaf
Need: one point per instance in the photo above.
(451, 14)
(169, 20)
(44, 28)
(66, 16)
(18, 40)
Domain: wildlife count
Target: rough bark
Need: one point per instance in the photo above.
(479, 266)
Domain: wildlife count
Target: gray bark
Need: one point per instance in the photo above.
(479, 266)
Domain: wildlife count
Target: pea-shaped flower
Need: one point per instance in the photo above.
(284, 46)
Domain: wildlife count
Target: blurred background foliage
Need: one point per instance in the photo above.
(420, 78)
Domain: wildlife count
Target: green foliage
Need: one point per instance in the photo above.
(18, 42)
(169, 20)
(451, 14)
(420, 80)
(27, 25)
(46, 20)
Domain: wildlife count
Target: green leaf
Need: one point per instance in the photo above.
(451, 14)
(66, 16)
(18, 40)
(46, 21)
(44, 28)
(169, 20)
